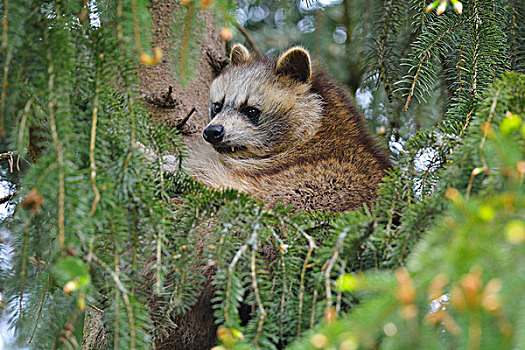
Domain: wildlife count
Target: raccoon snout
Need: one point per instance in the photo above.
(213, 134)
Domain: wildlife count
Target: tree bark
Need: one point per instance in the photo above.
(157, 80)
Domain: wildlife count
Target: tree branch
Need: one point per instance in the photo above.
(249, 38)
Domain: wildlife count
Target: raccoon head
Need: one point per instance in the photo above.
(260, 107)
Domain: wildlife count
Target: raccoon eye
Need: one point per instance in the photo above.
(252, 113)
(215, 109)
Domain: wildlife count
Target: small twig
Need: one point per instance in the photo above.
(339, 292)
(262, 311)
(309, 2)
(301, 289)
(23, 123)
(163, 100)
(158, 260)
(426, 174)
(131, 139)
(217, 64)
(134, 247)
(5, 24)
(42, 300)
(7, 198)
(23, 272)
(331, 264)
(382, 51)
(482, 144)
(466, 122)
(314, 301)
(58, 147)
(66, 331)
(11, 162)
(136, 31)
(3, 96)
(93, 166)
(249, 38)
(311, 247)
(6, 155)
(316, 226)
(183, 122)
(390, 213)
(116, 269)
(160, 164)
(486, 130)
(469, 186)
(124, 292)
(168, 97)
(231, 268)
(10, 158)
(422, 58)
(283, 297)
(284, 284)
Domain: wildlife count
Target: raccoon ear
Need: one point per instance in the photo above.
(239, 54)
(295, 63)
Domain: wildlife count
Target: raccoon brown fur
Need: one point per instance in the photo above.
(284, 132)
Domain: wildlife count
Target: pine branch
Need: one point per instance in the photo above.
(425, 55)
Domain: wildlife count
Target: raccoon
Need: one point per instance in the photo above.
(284, 132)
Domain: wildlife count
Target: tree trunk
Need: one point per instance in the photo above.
(157, 80)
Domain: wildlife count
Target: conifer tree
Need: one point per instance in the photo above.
(100, 225)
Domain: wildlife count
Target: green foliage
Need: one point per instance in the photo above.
(135, 23)
(97, 221)
(189, 30)
(71, 269)
(463, 290)
(188, 46)
(86, 206)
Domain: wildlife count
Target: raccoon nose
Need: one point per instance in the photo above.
(213, 134)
